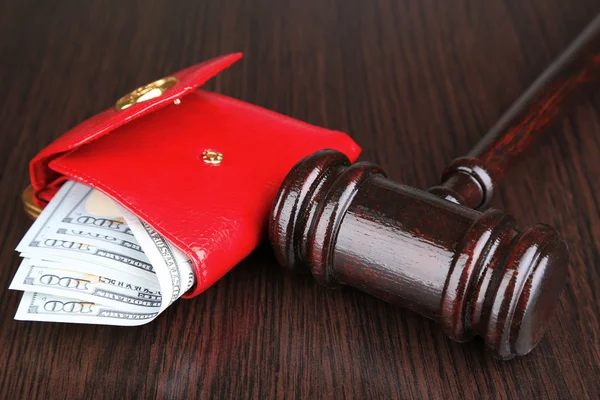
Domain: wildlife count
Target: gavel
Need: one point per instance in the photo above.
(439, 252)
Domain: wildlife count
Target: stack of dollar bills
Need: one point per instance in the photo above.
(88, 260)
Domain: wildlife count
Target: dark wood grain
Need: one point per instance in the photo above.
(416, 83)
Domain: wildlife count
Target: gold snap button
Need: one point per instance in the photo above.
(145, 93)
(212, 157)
(29, 203)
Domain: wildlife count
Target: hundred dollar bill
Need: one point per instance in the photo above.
(80, 250)
(88, 260)
(173, 268)
(47, 307)
(87, 208)
(81, 245)
(121, 293)
(114, 247)
(97, 269)
(88, 234)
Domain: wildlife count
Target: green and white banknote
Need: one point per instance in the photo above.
(88, 260)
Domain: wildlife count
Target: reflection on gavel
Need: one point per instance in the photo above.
(433, 251)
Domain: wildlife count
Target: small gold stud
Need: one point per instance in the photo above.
(177, 102)
(145, 93)
(212, 157)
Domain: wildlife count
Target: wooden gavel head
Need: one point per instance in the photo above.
(472, 271)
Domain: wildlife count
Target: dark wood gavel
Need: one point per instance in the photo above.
(434, 251)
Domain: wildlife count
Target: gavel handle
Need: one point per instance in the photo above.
(471, 180)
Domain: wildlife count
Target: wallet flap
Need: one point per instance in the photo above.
(45, 181)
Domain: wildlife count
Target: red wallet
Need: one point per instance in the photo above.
(201, 168)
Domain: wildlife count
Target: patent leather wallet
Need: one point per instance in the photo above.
(202, 169)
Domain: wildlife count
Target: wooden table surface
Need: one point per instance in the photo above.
(415, 82)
